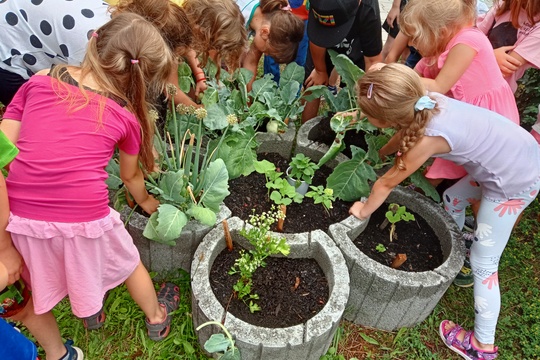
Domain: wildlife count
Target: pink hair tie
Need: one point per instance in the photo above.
(286, 8)
(95, 34)
(398, 153)
(134, 61)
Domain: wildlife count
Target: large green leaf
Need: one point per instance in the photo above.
(216, 119)
(418, 179)
(215, 185)
(292, 73)
(261, 86)
(233, 354)
(217, 343)
(172, 186)
(185, 80)
(210, 97)
(242, 153)
(203, 215)
(113, 170)
(350, 179)
(171, 221)
(289, 92)
(349, 72)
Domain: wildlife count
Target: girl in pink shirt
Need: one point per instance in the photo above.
(458, 61)
(67, 126)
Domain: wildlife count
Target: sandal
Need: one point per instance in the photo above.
(464, 348)
(97, 320)
(168, 298)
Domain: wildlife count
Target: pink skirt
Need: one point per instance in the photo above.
(81, 260)
(445, 169)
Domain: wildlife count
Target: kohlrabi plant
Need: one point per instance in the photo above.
(220, 345)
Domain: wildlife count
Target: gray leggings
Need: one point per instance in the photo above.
(494, 224)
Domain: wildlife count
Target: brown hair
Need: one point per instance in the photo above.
(218, 25)
(286, 30)
(170, 19)
(128, 60)
(431, 24)
(531, 7)
(395, 89)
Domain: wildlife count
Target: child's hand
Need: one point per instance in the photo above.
(149, 205)
(507, 63)
(356, 209)
(200, 87)
(13, 262)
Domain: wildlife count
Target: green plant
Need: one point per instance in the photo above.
(528, 97)
(394, 215)
(302, 168)
(321, 195)
(280, 191)
(264, 244)
(219, 344)
(380, 248)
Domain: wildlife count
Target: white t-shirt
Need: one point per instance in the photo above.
(527, 44)
(248, 7)
(38, 33)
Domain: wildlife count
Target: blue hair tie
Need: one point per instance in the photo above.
(425, 102)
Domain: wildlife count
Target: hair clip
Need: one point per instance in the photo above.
(95, 34)
(134, 61)
(370, 91)
(425, 102)
(286, 8)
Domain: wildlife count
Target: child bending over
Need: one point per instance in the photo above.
(67, 126)
(503, 175)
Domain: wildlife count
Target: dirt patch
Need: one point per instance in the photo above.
(291, 291)
(415, 238)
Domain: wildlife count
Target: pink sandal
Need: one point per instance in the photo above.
(465, 348)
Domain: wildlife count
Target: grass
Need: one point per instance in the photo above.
(518, 335)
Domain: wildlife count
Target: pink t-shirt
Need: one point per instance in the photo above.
(59, 174)
(527, 43)
(482, 84)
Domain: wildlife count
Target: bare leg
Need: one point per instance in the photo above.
(44, 328)
(310, 110)
(141, 289)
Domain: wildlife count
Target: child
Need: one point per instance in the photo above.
(219, 32)
(458, 61)
(276, 31)
(67, 126)
(503, 168)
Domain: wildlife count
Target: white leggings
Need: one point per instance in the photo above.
(494, 224)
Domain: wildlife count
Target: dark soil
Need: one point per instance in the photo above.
(323, 133)
(290, 291)
(415, 238)
(250, 192)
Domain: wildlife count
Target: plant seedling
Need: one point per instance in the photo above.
(219, 344)
(380, 248)
(323, 196)
(302, 168)
(395, 214)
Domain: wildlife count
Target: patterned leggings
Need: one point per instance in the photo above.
(494, 223)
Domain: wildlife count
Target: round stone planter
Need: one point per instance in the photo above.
(280, 143)
(163, 258)
(309, 340)
(388, 299)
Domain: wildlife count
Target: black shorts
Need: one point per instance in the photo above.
(395, 29)
(9, 84)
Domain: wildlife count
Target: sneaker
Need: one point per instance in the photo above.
(73, 352)
(465, 277)
(469, 239)
(333, 89)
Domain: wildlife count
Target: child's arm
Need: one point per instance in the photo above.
(9, 256)
(413, 159)
(398, 46)
(198, 73)
(391, 146)
(180, 97)
(133, 178)
(251, 61)
(393, 13)
(459, 59)
(319, 75)
(509, 61)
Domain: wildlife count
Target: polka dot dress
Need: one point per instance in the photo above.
(38, 33)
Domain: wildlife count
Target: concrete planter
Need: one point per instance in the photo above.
(280, 143)
(163, 258)
(388, 299)
(309, 340)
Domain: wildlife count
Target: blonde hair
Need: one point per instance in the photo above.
(170, 19)
(431, 24)
(128, 60)
(286, 30)
(531, 7)
(393, 92)
(218, 25)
